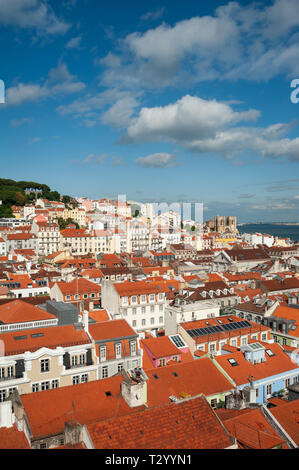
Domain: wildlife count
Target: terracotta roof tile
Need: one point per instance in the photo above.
(190, 424)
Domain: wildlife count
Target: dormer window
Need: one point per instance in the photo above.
(233, 362)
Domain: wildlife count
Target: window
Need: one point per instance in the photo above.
(287, 382)
(270, 353)
(2, 395)
(45, 385)
(143, 298)
(134, 299)
(214, 403)
(152, 321)
(142, 309)
(212, 348)
(35, 387)
(82, 359)
(152, 308)
(125, 312)
(133, 347)
(105, 372)
(257, 392)
(160, 308)
(233, 342)
(244, 341)
(160, 296)
(118, 350)
(2, 370)
(45, 365)
(269, 389)
(296, 379)
(134, 323)
(10, 371)
(264, 336)
(120, 367)
(84, 378)
(152, 297)
(143, 322)
(160, 319)
(55, 383)
(43, 445)
(103, 353)
(74, 361)
(125, 300)
(284, 341)
(76, 379)
(134, 311)
(162, 362)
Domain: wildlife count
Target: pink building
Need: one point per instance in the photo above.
(162, 350)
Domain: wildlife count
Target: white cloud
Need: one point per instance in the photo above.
(74, 43)
(34, 14)
(34, 140)
(157, 160)
(203, 126)
(20, 122)
(103, 159)
(253, 42)
(112, 107)
(188, 119)
(59, 81)
(153, 15)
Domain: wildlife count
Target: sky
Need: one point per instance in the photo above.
(177, 101)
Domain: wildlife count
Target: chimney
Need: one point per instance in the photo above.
(7, 418)
(134, 387)
(85, 320)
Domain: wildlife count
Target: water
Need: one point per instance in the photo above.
(281, 231)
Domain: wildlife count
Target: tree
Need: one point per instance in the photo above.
(5, 212)
(19, 199)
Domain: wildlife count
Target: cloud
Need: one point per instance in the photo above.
(157, 160)
(250, 42)
(153, 15)
(204, 127)
(20, 122)
(112, 107)
(104, 159)
(34, 140)
(74, 43)
(32, 14)
(59, 81)
(189, 118)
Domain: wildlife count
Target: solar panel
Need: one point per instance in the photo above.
(177, 341)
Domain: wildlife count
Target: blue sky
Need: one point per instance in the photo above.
(176, 101)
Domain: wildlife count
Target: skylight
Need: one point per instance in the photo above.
(233, 362)
(270, 353)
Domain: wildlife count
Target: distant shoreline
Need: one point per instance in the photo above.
(269, 223)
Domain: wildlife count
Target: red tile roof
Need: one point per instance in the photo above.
(274, 365)
(288, 417)
(47, 411)
(199, 376)
(78, 286)
(99, 315)
(251, 428)
(161, 347)
(111, 329)
(190, 424)
(12, 438)
(52, 338)
(18, 311)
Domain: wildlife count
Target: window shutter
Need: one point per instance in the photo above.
(67, 360)
(88, 357)
(20, 368)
